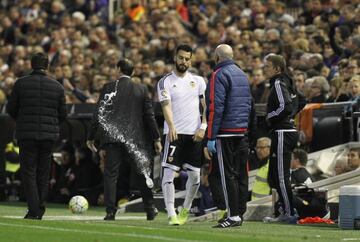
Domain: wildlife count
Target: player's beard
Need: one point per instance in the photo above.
(181, 68)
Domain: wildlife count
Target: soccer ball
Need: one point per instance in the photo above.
(78, 204)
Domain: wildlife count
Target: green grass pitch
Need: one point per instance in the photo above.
(60, 225)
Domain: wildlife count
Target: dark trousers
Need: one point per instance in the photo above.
(216, 186)
(283, 143)
(123, 181)
(35, 157)
(116, 154)
(232, 155)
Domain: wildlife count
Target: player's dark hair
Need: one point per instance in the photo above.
(184, 47)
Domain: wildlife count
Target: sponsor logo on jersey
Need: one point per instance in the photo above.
(164, 94)
(192, 84)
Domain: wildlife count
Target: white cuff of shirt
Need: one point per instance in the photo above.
(203, 126)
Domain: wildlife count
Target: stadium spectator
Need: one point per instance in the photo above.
(354, 93)
(354, 86)
(59, 191)
(299, 78)
(299, 174)
(259, 87)
(338, 92)
(261, 186)
(354, 158)
(13, 172)
(319, 90)
(307, 202)
(63, 27)
(341, 166)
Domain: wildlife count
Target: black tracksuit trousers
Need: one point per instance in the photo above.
(283, 143)
(231, 168)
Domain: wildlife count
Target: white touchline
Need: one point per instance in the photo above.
(144, 236)
(218, 232)
(79, 217)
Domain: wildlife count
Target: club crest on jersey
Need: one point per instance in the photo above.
(192, 84)
(170, 159)
(164, 94)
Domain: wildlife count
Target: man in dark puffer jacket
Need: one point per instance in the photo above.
(228, 99)
(37, 103)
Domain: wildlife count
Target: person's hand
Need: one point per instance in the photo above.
(100, 200)
(91, 145)
(172, 134)
(64, 191)
(211, 146)
(102, 154)
(67, 85)
(158, 146)
(52, 182)
(207, 154)
(72, 177)
(199, 135)
(90, 100)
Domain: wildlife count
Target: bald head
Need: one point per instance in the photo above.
(224, 52)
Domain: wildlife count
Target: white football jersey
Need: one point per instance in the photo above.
(184, 94)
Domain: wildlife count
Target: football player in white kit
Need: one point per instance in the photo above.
(181, 93)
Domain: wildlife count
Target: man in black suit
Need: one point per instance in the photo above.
(126, 125)
(37, 104)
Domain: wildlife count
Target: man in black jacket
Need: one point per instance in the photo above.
(127, 127)
(37, 103)
(299, 174)
(282, 105)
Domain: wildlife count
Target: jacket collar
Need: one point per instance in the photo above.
(38, 72)
(224, 63)
(277, 76)
(124, 76)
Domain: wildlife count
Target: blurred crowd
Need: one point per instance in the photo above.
(319, 38)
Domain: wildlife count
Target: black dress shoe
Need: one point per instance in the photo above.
(42, 212)
(109, 216)
(29, 216)
(151, 213)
